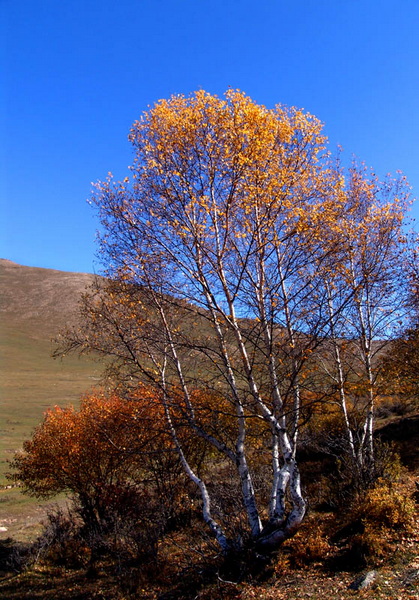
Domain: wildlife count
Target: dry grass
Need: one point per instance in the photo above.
(395, 580)
(188, 566)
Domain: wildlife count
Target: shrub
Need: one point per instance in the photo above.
(368, 535)
(386, 506)
(347, 483)
(309, 547)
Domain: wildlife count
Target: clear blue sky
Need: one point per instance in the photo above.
(75, 74)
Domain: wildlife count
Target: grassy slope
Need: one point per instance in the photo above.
(35, 304)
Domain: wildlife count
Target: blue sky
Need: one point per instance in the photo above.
(75, 74)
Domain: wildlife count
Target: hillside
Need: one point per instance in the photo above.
(35, 304)
(39, 302)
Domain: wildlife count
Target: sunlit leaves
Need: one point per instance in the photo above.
(103, 442)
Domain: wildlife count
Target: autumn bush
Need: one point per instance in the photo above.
(386, 513)
(387, 506)
(347, 483)
(121, 473)
(362, 537)
(367, 533)
(310, 547)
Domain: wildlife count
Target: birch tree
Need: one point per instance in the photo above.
(366, 285)
(215, 253)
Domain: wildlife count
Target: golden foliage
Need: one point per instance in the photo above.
(82, 450)
(310, 546)
(387, 506)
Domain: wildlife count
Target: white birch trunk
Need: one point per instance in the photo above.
(366, 447)
(214, 526)
(340, 375)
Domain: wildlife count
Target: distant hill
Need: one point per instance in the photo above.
(35, 305)
(38, 301)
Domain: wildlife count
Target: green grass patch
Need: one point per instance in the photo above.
(31, 382)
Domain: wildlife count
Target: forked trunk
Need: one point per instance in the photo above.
(281, 527)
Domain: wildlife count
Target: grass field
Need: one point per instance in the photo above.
(35, 305)
(32, 382)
